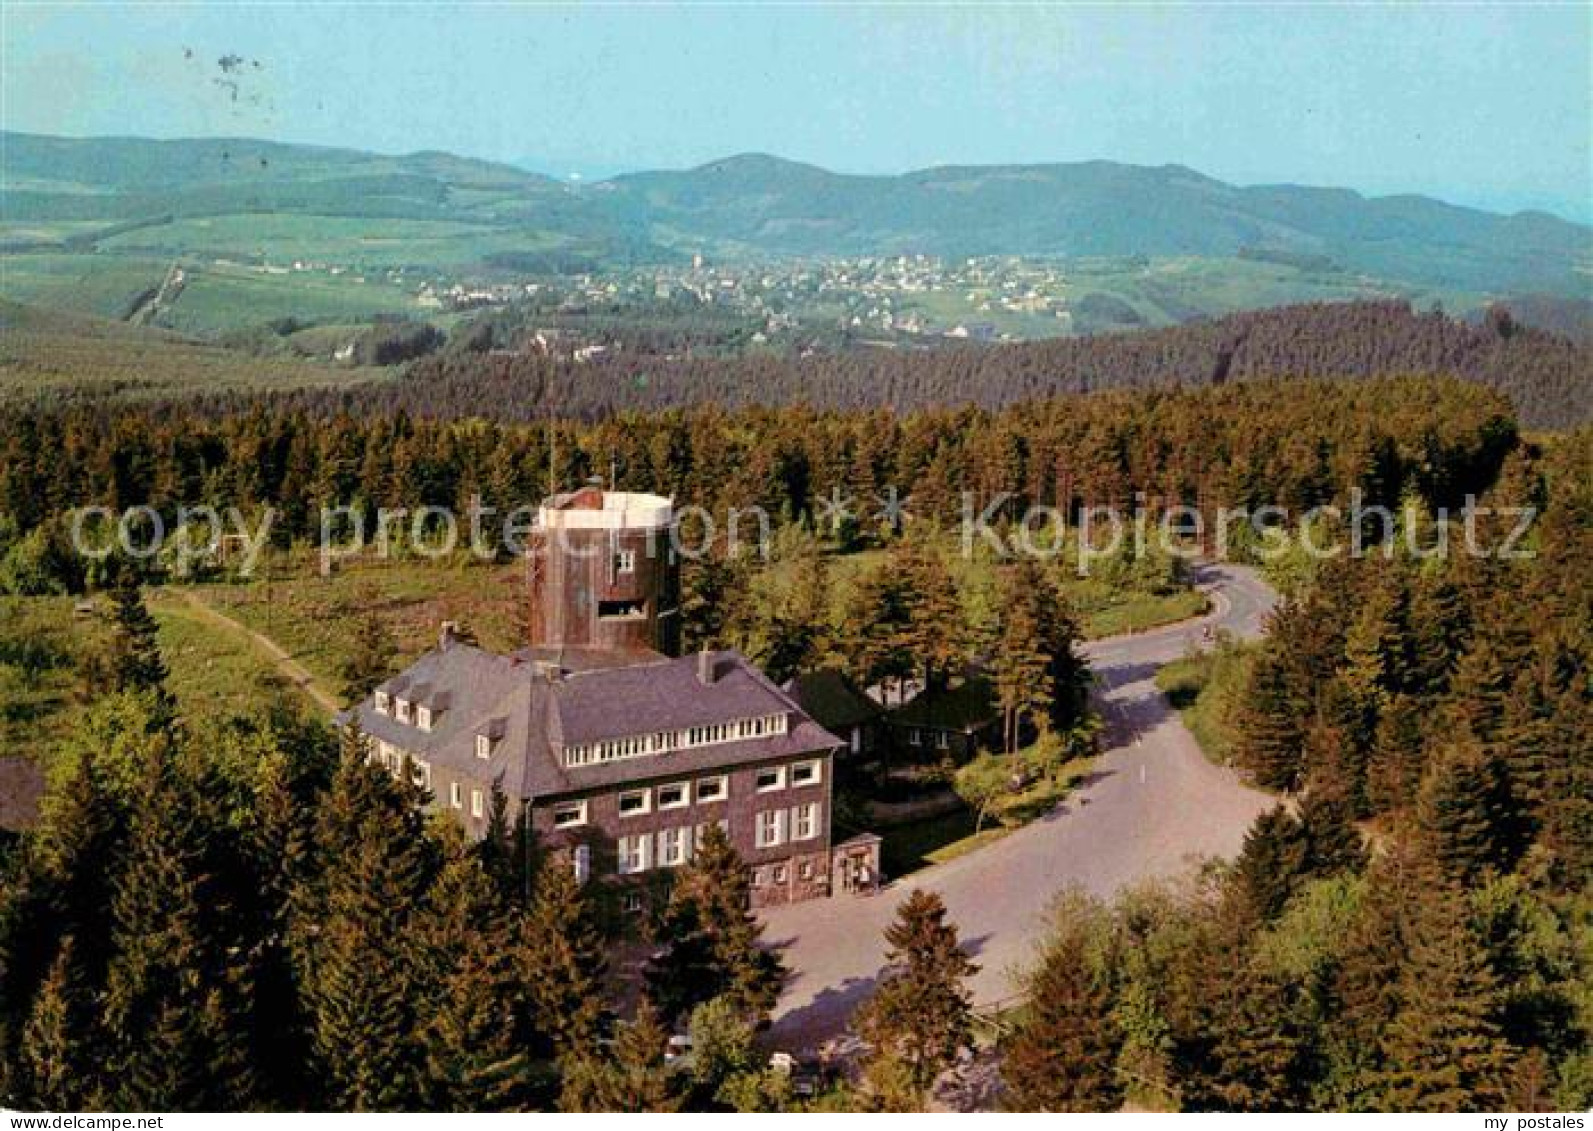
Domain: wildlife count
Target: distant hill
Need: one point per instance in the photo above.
(758, 205)
(766, 204)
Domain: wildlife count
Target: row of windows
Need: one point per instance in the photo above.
(667, 848)
(662, 742)
(923, 736)
(404, 711)
(678, 795)
(775, 875)
(775, 826)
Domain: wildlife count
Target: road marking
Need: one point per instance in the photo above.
(1141, 771)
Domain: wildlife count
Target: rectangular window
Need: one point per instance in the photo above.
(771, 779)
(779, 873)
(403, 710)
(581, 862)
(672, 847)
(632, 903)
(569, 816)
(943, 739)
(422, 774)
(423, 718)
(455, 795)
(805, 773)
(805, 870)
(673, 796)
(805, 821)
(634, 803)
(632, 854)
(712, 789)
(476, 803)
(771, 828)
(383, 703)
(625, 561)
(483, 747)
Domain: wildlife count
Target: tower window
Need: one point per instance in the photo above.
(625, 561)
(621, 610)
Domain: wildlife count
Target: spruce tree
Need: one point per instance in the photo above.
(631, 1077)
(711, 938)
(371, 660)
(1272, 862)
(1443, 1051)
(919, 1016)
(1332, 842)
(1063, 1053)
(1462, 811)
(59, 1050)
(563, 950)
(137, 663)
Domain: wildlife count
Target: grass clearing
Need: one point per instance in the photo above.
(1203, 688)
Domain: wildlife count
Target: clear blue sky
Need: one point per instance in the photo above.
(1477, 104)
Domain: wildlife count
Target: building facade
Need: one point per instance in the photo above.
(619, 755)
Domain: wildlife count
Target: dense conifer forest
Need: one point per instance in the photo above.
(1549, 379)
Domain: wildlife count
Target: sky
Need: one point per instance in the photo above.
(1486, 105)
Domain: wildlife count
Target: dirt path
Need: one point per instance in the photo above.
(295, 672)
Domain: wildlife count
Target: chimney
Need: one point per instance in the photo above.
(445, 635)
(705, 668)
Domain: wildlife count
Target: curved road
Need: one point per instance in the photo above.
(1152, 807)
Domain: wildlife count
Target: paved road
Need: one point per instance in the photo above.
(1153, 806)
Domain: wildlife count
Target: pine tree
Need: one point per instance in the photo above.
(137, 664)
(371, 660)
(1462, 811)
(634, 1078)
(935, 626)
(1063, 1053)
(362, 986)
(1272, 862)
(58, 1052)
(919, 1016)
(1020, 665)
(1332, 842)
(474, 1057)
(1443, 1051)
(711, 938)
(562, 947)
(1271, 722)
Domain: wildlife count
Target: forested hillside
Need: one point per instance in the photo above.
(1549, 379)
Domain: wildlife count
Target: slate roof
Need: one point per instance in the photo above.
(832, 699)
(536, 704)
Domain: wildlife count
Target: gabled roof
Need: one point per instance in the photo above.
(832, 699)
(535, 705)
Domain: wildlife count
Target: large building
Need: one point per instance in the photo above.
(620, 753)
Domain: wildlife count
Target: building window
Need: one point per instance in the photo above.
(631, 903)
(634, 803)
(757, 877)
(625, 561)
(581, 863)
(632, 854)
(403, 710)
(943, 739)
(455, 795)
(915, 737)
(771, 828)
(421, 774)
(673, 796)
(423, 718)
(805, 870)
(805, 821)
(384, 703)
(805, 773)
(569, 816)
(712, 789)
(483, 747)
(771, 779)
(476, 803)
(779, 873)
(672, 847)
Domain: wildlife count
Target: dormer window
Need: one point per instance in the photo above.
(402, 706)
(423, 717)
(384, 703)
(483, 747)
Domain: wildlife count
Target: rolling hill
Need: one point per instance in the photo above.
(133, 195)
